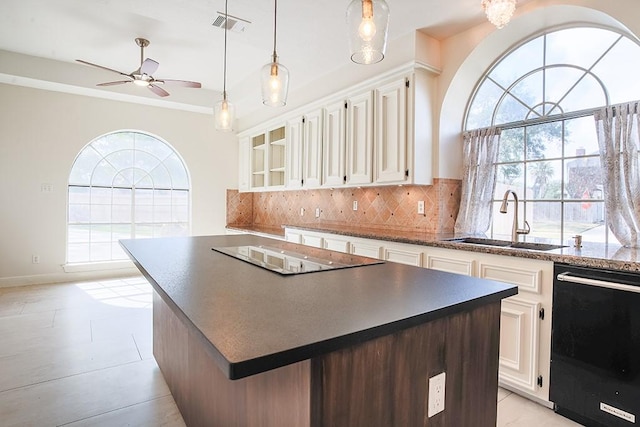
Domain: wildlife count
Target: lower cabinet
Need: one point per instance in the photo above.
(525, 323)
(525, 333)
(519, 343)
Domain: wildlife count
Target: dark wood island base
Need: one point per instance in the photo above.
(378, 383)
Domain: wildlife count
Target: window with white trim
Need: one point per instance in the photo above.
(543, 94)
(124, 185)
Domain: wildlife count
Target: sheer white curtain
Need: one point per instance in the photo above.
(618, 130)
(479, 155)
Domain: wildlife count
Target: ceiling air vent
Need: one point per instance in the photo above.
(234, 23)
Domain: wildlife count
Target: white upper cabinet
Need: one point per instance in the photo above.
(304, 150)
(276, 157)
(333, 151)
(312, 153)
(391, 132)
(359, 169)
(379, 133)
(244, 170)
(258, 155)
(295, 152)
(262, 159)
(348, 141)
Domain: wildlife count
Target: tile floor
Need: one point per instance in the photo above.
(80, 354)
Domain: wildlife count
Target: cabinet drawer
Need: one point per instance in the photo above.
(528, 280)
(293, 237)
(450, 265)
(315, 241)
(337, 245)
(370, 250)
(403, 256)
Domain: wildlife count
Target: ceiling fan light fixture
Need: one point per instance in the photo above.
(142, 81)
(368, 25)
(274, 76)
(499, 12)
(223, 111)
(143, 76)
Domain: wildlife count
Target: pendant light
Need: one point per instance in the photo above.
(224, 112)
(274, 76)
(368, 23)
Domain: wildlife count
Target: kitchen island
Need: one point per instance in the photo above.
(243, 346)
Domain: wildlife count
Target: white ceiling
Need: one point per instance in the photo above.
(311, 37)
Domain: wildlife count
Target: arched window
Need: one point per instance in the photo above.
(543, 94)
(124, 185)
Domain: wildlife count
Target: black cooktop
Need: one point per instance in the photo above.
(289, 258)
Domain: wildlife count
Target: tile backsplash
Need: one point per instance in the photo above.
(392, 207)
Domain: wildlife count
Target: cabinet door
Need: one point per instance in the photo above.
(519, 341)
(333, 152)
(312, 164)
(391, 132)
(244, 167)
(295, 153)
(360, 139)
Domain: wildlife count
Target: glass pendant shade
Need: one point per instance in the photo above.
(368, 24)
(499, 12)
(275, 83)
(224, 114)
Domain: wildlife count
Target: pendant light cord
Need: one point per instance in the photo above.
(275, 26)
(224, 73)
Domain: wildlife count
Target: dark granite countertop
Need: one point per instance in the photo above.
(254, 320)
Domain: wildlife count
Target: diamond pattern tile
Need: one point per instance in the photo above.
(388, 207)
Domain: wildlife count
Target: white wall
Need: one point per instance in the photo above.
(41, 132)
(466, 56)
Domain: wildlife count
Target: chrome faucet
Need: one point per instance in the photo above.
(503, 209)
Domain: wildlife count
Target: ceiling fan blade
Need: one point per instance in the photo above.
(104, 68)
(120, 82)
(184, 83)
(158, 90)
(148, 67)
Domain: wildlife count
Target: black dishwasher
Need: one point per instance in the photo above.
(595, 346)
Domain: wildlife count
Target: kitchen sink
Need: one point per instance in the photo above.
(507, 243)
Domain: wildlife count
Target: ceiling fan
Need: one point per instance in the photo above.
(143, 75)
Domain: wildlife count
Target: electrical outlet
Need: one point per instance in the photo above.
(46, 188)
(436, 394)
(421, 207)
(301, 211)
(317, 212)
(35, 259)
(355, 205)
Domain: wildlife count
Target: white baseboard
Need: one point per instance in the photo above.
(78, 276)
